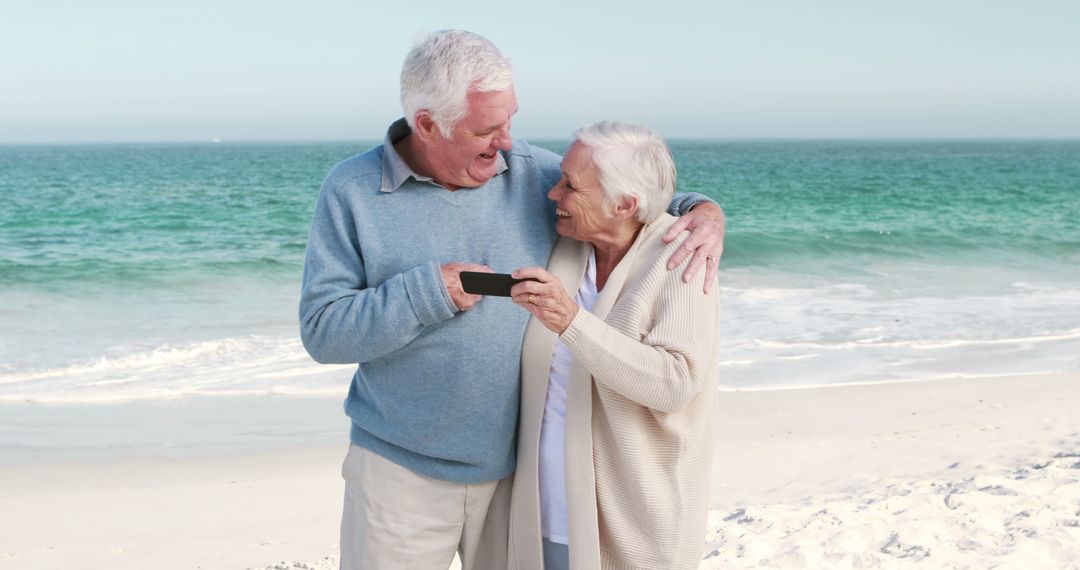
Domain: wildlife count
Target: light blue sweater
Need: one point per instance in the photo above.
(436, 389)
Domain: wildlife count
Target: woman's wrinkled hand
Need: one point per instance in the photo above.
(545, 298)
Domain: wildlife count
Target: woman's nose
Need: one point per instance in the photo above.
(553, 194)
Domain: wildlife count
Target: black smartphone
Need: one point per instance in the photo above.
(495, 284)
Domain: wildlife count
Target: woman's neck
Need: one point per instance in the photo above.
(610, 249)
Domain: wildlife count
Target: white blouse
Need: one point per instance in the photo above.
(553, 518)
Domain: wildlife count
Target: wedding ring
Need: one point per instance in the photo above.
(532, 299)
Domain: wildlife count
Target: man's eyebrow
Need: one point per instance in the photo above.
(512, 113)
(498, 126)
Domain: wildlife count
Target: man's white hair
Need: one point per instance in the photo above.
(442, 68)
(633, 161)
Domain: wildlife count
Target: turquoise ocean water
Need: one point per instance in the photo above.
(153, 271)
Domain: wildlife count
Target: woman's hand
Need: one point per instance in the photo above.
(545, 298)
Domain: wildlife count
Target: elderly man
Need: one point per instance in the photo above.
(434, 400)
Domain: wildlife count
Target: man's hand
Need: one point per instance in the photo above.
(451, 274)
(706, 241)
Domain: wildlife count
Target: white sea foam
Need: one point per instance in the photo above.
(892, 331)
(251, 365)
(778, 331)
(882, 341)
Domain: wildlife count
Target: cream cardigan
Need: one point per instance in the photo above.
(639, 414)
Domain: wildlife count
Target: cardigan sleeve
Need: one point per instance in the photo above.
(665, 368)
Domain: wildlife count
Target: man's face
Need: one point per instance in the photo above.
(469, 157)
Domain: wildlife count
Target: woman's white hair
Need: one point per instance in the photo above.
(633, 161)
(442, 68)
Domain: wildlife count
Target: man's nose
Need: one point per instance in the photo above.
(502, 139)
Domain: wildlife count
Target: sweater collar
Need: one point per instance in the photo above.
(396, 171)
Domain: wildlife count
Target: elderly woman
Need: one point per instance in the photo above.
(618, 371)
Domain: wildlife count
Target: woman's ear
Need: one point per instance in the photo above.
(627, 209)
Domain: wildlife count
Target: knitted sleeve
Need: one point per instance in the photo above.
(344, 320)
(666, 366)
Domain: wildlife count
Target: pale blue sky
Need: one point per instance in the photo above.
(127, 70)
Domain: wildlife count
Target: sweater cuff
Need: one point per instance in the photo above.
(683, 201)
(576, 327)
(430, 300)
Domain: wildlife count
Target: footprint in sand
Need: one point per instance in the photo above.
(953, 501)
(898, 549)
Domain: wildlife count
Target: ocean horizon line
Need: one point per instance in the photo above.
(561, 139)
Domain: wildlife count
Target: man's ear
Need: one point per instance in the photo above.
(628, 208)
(425, 126)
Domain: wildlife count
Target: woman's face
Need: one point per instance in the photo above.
(579, 198)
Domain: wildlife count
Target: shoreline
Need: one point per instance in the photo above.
(168, 428)
(876, 459)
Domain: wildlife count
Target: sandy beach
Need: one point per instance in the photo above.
(966, 473)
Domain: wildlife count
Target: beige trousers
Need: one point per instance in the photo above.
(395, 518)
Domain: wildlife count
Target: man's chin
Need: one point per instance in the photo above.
(481, 176)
